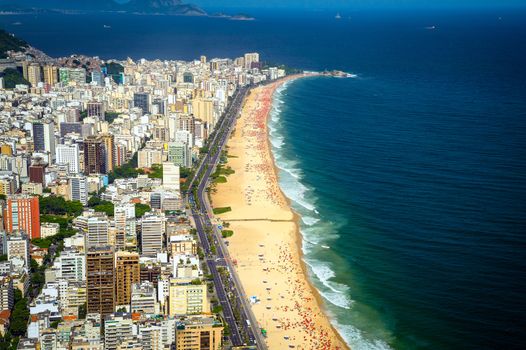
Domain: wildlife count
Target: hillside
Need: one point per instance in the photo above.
(10, 42)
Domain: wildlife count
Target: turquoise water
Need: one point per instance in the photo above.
(409, 179)
(412, 215)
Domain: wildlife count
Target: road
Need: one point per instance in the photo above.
(202, 213)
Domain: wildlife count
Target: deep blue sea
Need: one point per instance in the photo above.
(410, 178)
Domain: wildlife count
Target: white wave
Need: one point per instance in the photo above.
(356, 339)
(309, 220)
(295, 192)
(337, 293)
(294, 172)
(277, 141)
(336, 299)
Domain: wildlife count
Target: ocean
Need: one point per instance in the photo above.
(409, 179)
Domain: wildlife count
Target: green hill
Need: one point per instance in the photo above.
(10, 42)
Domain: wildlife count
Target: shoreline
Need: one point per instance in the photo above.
(299, 317)
(297, 220)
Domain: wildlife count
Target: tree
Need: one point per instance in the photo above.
(82, 311)
(59, 206)
(156, 171)
(94, 201)
(105, 207)
(110, 116)
(141, 209)
(10, 42)
(185, 172)
(124, 171)
(13, 77)
(19, 316)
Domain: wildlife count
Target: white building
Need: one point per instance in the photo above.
(69, 154)
(171, 176)
(78, 188)
(94, 226)
(71, 265)
(48, 229)
(18, 246)
(143, 298)
(152, 232)
(117, 328)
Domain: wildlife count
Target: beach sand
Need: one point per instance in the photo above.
(266, 241)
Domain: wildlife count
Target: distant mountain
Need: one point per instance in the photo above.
(168, 7)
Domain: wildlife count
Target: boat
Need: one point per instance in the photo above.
(107, 26)
(326, 247)
(431, 27)
(338, 16)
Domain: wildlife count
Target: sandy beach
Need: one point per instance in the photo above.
(266, 241)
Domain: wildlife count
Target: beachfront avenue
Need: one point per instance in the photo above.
(243, 324)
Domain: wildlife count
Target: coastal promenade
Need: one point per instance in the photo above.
(245, 330)
(266, 243)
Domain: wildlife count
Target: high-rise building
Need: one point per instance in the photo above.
(156, 200)
(50, 75)
(204, 109)
(37, 171)
(109, 151)
(18, 247)
(187, 298)
(142, 101)
(34, 74)
(97, 77)
(71, 265)
(94, 226)
(78, 187)
(96, 109)
(153, 336)
(44, 136)
(68, 75)
(72, 115)
(179, 154)
(8, 184)
(128, 273)
(184, 136)
(94, 156)
(121, 154)
(32, 188)
(70, 127)
(125, 228)
(143, 298)
(171, 179)
(198, 332)
(22, 213)
(152, 230)
(100, 279)
(6, 293)
(69, 154)
(118, 328)
(146, 157)
(151, 273)
(251, 59)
